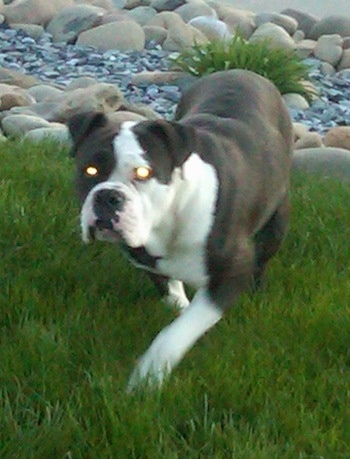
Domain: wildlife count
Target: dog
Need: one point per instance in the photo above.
(201, 200)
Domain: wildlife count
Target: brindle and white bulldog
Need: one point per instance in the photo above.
(201, 200)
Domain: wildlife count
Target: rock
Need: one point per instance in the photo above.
(123, 36)
(309, 140)
(155, 34)
(331, 25)
(344, 61)
(14, 96)
(53, 132)
(119, 4)
(167, 5)
(277, 36)
(71, 21)
(166, 19)
(142, 14)
(183, 36)
(296, 101)
(43, 92)
(139, 109)
(288, 23)
(130, 4)
(326, 162)
(107, 5)
(305, 48)
(33, 11)
(327, 69)
(115, 16)
(180, 35)
(81, 82)
(32, 30)
(18, 125)
(305, 21)
(338, 137)
(14, 78)
(298, 36)
(101, 97)
(121, 116)
(212, 28)
(329, 49)
(192, 10)
(148, 78)
(299, 130)
(236, 20)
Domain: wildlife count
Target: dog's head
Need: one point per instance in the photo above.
(126, 174)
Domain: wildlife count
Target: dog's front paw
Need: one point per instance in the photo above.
(155, 364)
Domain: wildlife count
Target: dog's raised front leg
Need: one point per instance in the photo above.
(172, 343)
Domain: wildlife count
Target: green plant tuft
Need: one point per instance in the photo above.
(282, 67)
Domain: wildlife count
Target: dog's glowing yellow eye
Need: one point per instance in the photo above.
(142, 173)
(91, 171)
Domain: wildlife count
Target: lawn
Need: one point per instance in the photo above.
(270, 381)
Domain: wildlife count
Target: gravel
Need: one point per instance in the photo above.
(59, 64)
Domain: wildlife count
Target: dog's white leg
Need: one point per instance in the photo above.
(176, 296)
(172, 343)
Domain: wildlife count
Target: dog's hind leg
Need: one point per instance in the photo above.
(269, 239)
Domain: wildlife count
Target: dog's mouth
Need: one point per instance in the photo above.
(105, 230)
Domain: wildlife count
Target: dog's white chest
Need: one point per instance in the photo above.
(187, 266)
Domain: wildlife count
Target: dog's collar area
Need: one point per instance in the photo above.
(141, 256)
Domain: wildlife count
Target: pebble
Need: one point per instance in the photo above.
(60, 64)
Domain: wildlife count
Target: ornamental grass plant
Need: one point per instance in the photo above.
(283, 67)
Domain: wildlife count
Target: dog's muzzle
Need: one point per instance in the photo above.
(106, 206)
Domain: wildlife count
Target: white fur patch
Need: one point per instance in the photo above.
(177, 296)
(196, 191)
(172, 343)
(128, 153)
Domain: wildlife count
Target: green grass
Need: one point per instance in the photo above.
(279, 65)
(271, 381)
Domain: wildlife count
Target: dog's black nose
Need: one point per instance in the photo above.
(107, 203)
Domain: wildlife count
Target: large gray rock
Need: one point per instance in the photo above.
(14, 96)
(179, 34)
(55, 132)
(12, 77)
(286, 22)
(192, 10)
(167, 5)
(306, 21)
(33, 11)
(18, 125)
(329, 48)
(211, 27)
(277, 37)
(123, 36)
(70, 22)
(101, 97)
(142, 14)
(336, 24)
(326, 162)
(43, 92)
(32, 30)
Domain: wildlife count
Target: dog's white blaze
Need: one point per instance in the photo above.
(172, 343)
(128, 153)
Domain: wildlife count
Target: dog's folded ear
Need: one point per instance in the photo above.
(175, 139)
(82, 124)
